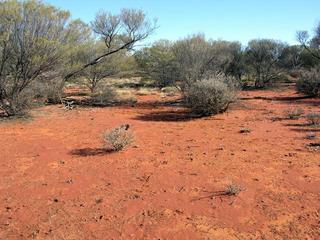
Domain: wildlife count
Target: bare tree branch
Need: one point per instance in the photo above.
(119, 32)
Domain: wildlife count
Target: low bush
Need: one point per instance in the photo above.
(118, 138)
(49, 90)
(17, 105)
(309, 83)
(293, 113)
(209, 97)
(104, 95)
(313, 118)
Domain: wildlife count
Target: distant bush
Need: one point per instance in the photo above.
(313, 118)
(104, 95)
(119, 138)
(211, 96)
(309, 83)
(293, 113)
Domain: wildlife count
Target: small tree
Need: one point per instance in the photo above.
(236, 64)
(199, 59)
(159, 63)
(312, 45)
(107, 67)
(195, 59)
(119, 32)
(309, 81)
(291, 58)
(32, 40)
(39, 44)
(263, 56)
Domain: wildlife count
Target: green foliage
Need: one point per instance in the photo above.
(291, 57)
(159, 63)
(108, 66)
(199, 59)
(308, 60)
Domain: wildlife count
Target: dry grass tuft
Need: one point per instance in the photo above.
(119, 137)
(293, 113)
(313, 118)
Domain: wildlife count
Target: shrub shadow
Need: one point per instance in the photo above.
(86, 152)
(302, 100)
(168, 116)
(305, 130)
(298, 124)
(292, 98)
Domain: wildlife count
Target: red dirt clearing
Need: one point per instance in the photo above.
(57, 182)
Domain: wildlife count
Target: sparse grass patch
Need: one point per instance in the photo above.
(126, 96)
(293, 113)
(104, 95)
(145, 91)
(119, 137)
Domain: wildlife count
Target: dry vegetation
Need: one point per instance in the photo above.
(119, 137)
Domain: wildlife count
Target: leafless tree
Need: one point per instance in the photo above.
(263, 56)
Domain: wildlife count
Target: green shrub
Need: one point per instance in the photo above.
(309, 83)
(211, 96)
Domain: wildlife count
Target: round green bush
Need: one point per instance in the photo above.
(210, 96)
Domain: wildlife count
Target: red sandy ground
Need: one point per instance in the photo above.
(57, 182)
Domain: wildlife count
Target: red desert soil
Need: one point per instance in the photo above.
(57, 182)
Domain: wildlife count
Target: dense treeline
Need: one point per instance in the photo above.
(261, 63)
(42, 48)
